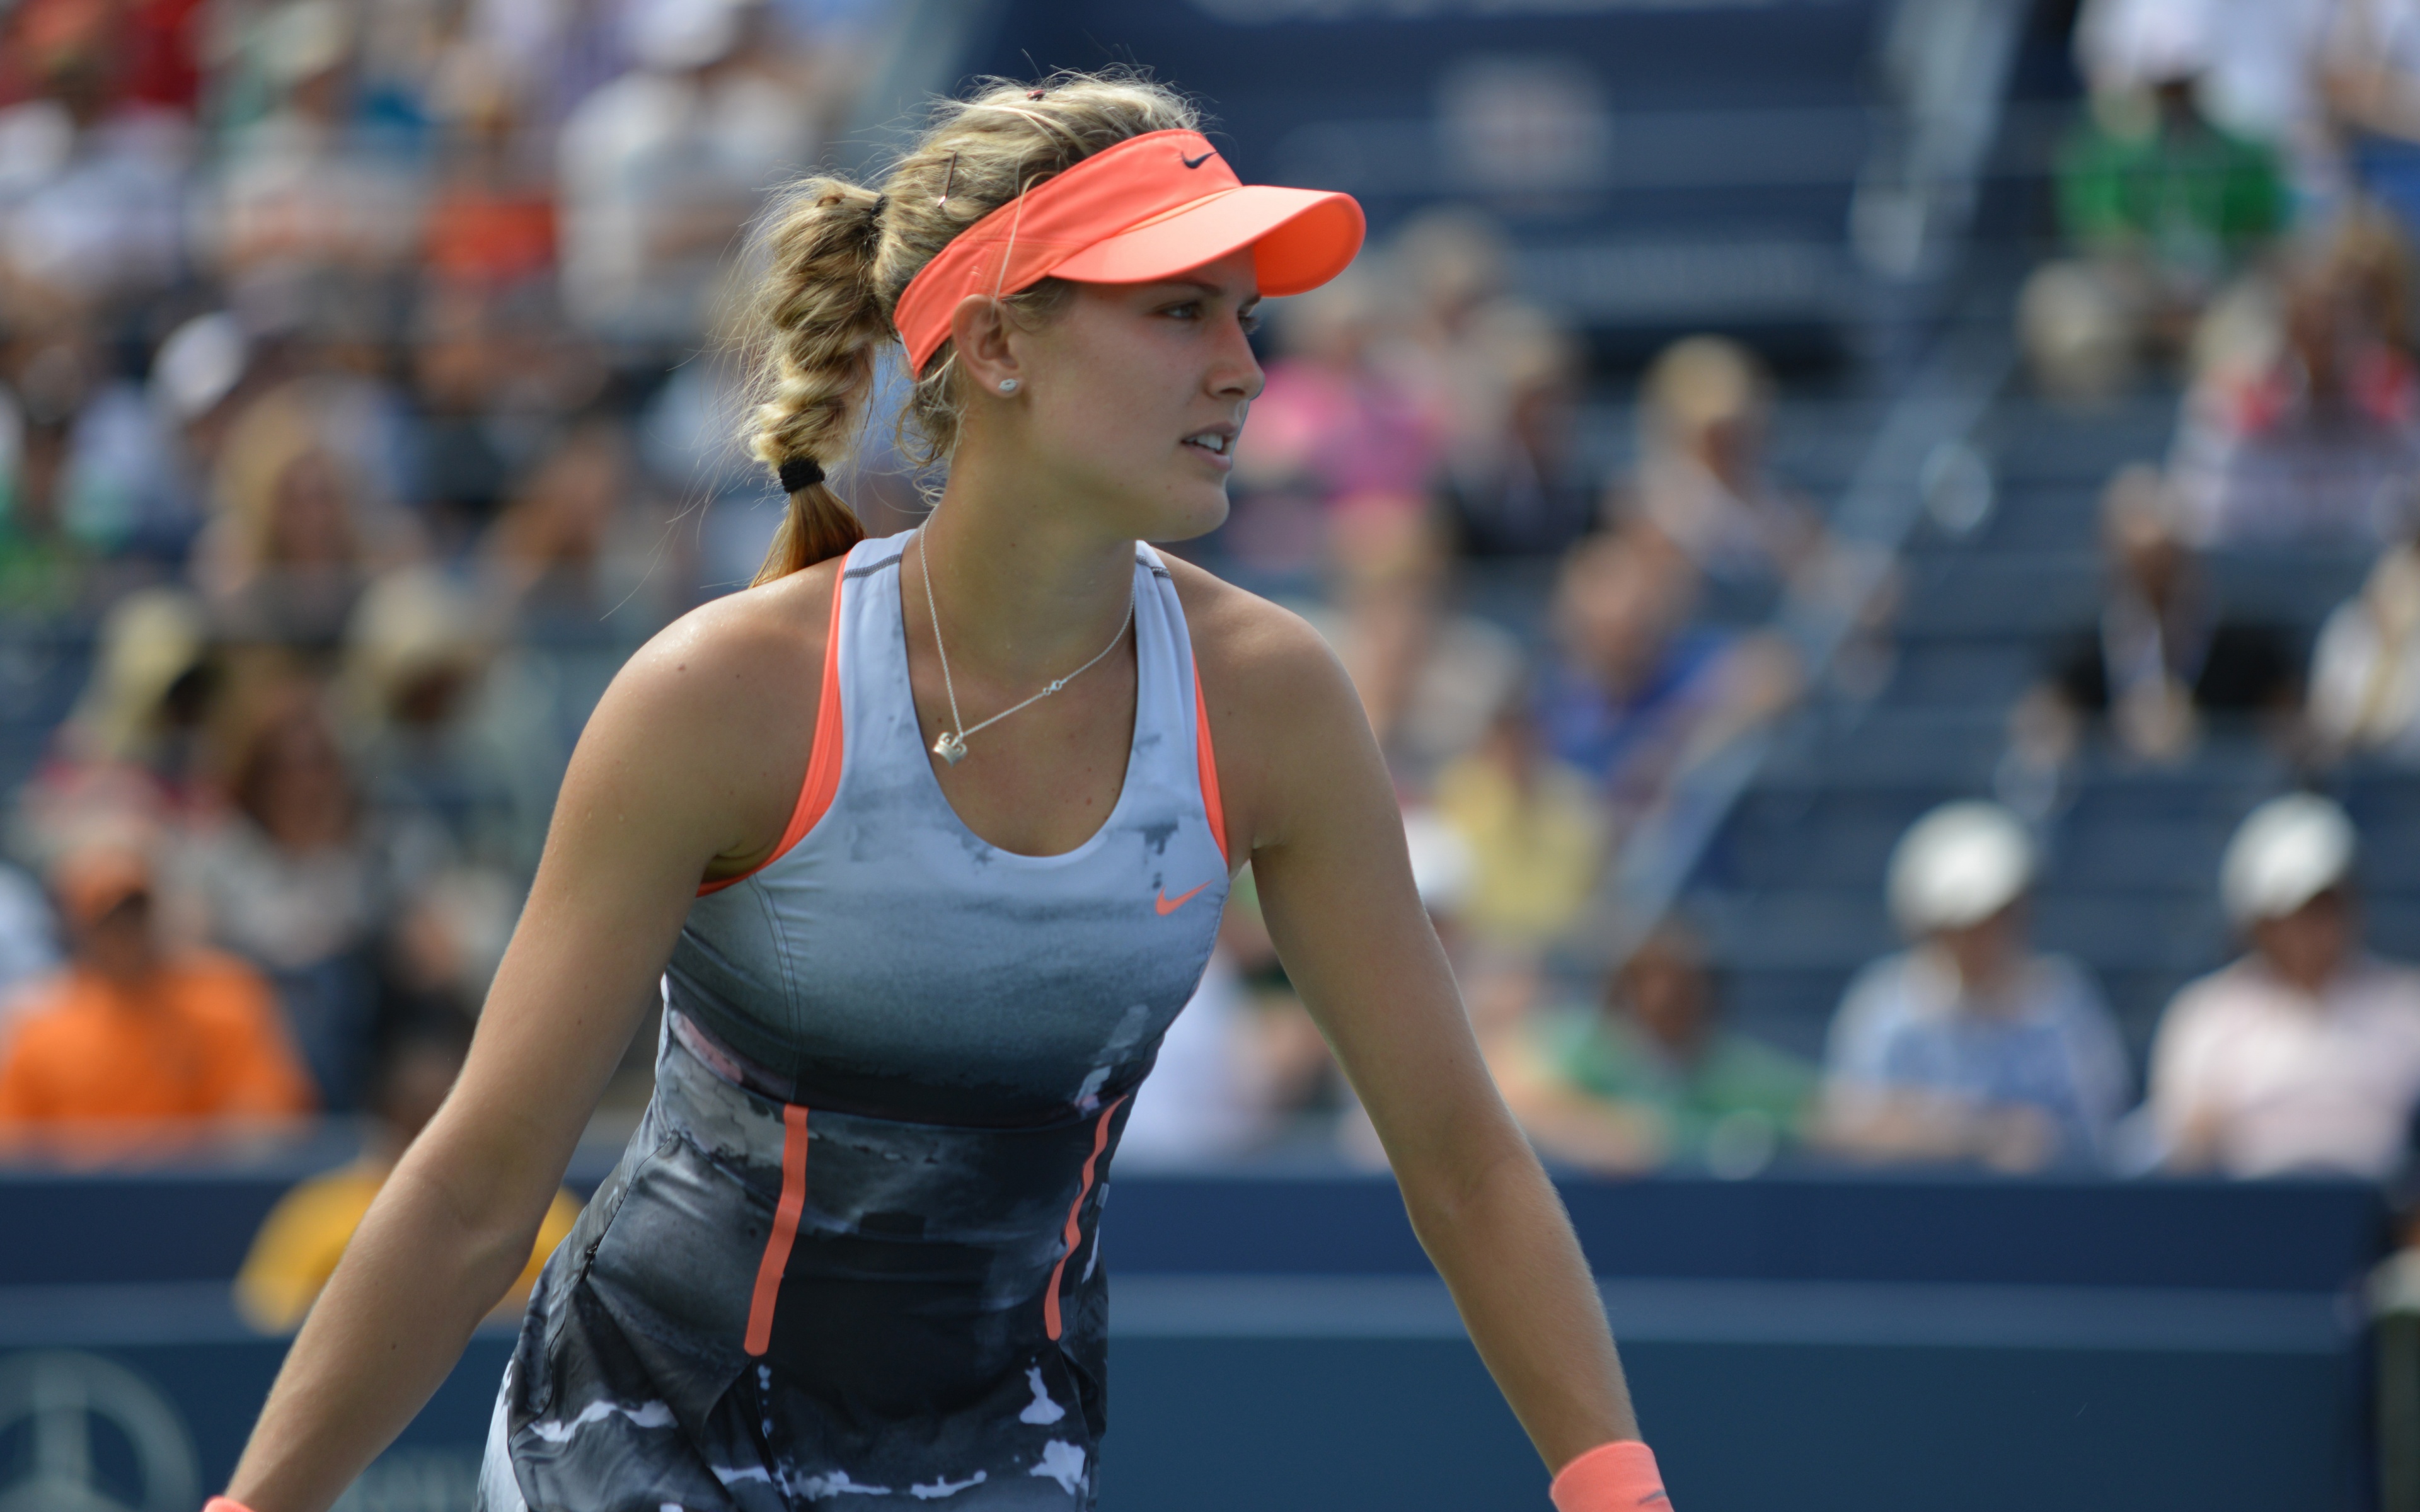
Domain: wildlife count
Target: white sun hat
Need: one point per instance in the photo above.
(1959, 865)
(2286, 852)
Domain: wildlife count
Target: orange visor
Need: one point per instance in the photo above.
(1150, 208)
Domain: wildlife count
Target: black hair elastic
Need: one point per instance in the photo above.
(882, 203)
(801, 472)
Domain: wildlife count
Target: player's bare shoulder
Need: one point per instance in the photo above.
(759, 646)
(1255, 656)
(716, 711)
(1283, 715)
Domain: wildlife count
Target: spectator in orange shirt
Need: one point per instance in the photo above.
(134, 1032)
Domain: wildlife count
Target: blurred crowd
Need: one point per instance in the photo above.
(2236, 211)
(351, 435)
(2236, 203)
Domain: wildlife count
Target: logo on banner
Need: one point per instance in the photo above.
(79, 1433)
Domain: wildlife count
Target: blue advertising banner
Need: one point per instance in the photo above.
(1280, 1343)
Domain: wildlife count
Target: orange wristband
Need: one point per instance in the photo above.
(1612, 1477)
(223, 1504)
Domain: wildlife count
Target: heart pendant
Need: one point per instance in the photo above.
(951, 748)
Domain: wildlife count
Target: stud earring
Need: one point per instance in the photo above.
(1008, 385)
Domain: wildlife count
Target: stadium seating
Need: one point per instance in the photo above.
(1791, 887)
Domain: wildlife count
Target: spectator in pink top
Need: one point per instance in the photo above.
(1331, 424)
(2305, 1055)
(2320, 442)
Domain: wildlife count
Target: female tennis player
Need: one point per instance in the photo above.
(926, 838)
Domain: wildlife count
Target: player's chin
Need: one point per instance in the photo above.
(1192, 509)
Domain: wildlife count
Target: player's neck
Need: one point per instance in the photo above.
(1025, 590)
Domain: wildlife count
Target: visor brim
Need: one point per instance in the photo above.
(1300, 239)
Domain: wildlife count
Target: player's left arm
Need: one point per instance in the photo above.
(1309, 788)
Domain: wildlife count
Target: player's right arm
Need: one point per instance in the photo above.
(688, 768)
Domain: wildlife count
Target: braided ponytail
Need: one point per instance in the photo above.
(823, 322)
(839, 254)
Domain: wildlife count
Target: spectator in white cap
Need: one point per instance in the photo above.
(2304, 1055)
(1970, 1046)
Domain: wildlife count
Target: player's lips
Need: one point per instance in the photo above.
(1215, 441)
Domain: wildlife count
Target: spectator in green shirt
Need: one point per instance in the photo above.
(1652, 1077)
(2164, 209)
(2158, 184)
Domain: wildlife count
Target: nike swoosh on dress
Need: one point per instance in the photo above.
(1168, 906)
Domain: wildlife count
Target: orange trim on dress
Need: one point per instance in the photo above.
(823, 760)
(786, 1229)
(1075, 1233)
(1208, 760)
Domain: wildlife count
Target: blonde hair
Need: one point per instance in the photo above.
(838, 254)
(1698, 382)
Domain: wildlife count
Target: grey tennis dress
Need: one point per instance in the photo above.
(852, 1254)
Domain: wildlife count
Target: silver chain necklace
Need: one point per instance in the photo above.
(951, 747)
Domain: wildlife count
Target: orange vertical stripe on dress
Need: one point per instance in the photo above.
(824, 757)
(1207, 760)
(785, 1229)
(1075, 1212)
